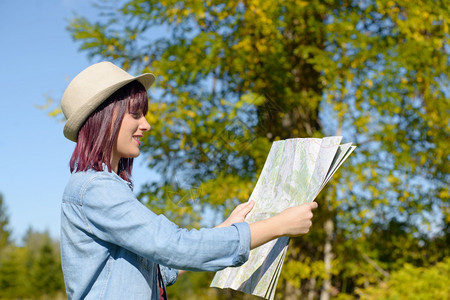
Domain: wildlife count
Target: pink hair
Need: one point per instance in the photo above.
(98, 133)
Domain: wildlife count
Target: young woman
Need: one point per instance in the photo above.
(112, 246)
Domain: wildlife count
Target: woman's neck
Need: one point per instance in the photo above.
(115, 164)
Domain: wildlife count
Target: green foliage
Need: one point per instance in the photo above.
(13, 279)
(46, 275)
(373, 258)
(32, 271)
(410, 282)
(188, 285)
(234, 76)
(5, 232)
(289, 56)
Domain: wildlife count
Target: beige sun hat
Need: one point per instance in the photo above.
(90, 88)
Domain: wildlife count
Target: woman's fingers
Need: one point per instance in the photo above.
(298, 220)
(238, 214)
(247, 207)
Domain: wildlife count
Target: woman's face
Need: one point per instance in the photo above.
(127, 144)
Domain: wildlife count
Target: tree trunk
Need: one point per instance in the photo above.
(291, 293)
(312, 294)
(328, 251)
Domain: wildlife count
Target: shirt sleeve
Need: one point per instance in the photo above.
(113, 214)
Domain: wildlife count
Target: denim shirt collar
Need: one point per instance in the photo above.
(129, 183)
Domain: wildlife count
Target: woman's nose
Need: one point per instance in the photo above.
(144, 125)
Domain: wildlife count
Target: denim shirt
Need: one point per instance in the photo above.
(111, 243)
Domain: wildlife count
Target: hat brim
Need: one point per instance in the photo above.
(74, 123)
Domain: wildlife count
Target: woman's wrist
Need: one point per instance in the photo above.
(264, 231)
(293, 221)
(279, 225)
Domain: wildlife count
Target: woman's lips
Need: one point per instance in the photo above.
(137, 140)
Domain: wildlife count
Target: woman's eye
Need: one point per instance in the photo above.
(135, 115)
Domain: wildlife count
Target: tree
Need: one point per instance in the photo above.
(5, 232)
(46, 274)
(233, 76)
(13, 279)
(412, 282)
(32, 271)
(43, 264)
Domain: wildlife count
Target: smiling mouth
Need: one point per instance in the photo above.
(137, 140)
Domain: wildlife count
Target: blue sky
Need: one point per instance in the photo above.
(38, 58)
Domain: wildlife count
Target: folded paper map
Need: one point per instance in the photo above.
(294, 173)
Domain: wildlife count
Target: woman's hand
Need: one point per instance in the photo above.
(291, 222)
(296, 220)
(238, 214)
